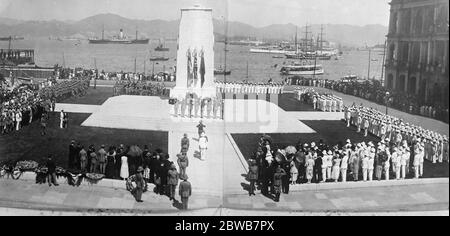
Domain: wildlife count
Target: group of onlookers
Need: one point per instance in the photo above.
(372, 121)
(274, 169)
(131, 163)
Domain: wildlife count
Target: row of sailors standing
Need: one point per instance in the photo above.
(386, 127)
(322, 102)
(249, 88)
(210, 108)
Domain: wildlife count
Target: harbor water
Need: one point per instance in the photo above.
(243, 64)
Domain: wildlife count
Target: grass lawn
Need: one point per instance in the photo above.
(93, 97)
(28, 144)
(331, 132)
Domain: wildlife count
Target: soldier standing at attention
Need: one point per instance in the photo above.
(366, 126)
(184, 144)
(185, 191)
(358, 122)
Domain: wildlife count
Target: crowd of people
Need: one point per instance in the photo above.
(274, 169)
(69, 73)
(319, 101)
(24, 104)
(374, 91)
(249, 87)
(129, 87)
(142, 167)
(372, 121)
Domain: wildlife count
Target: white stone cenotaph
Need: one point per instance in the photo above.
(195, 55)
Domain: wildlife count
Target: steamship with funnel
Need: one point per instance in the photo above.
(120, 39)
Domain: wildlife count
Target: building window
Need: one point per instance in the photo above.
(390, 81)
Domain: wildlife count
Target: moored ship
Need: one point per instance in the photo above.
(120, 39)
(305, 70)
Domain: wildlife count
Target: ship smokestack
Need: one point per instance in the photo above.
(121, 34)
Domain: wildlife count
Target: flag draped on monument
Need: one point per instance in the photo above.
(195, 68)
(189, 68)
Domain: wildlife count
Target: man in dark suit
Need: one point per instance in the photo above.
(317, 171)
(72, 154)
(51, 174)
(286, 166)
(185, 191)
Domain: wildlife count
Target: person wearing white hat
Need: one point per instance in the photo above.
(404, 160)
(396, 162)
(335, 172)
(330, 163)
(355, 161)
(324, 166)
(416, 162)
(366, 126)
(371, 163)
(365, 166)
(344, 166)
(358, 122)
(203, 145)
(421, 160)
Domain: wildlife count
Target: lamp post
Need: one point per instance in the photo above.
(386, 99)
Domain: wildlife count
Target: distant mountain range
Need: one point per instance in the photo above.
(347, 35)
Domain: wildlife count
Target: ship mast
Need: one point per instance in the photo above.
(103, 32)
(296, 45)
(321, 38)
(306, 38)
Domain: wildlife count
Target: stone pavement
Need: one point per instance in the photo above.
(406, 199)
(26, 194)
(423, 197)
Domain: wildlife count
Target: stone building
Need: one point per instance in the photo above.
(417, 49)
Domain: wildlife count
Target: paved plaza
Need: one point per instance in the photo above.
(413, 197)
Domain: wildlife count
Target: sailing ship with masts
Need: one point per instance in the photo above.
(161, 47)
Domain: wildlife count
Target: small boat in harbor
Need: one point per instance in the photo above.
(278, 57)
(221, 71)
(302, 70)
(308, 56)
(159, 59)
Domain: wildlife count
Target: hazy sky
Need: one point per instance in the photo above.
(253, 12)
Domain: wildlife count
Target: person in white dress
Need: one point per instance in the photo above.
(344, 166)
(124, 174)
(18, 119)
(61, 119)
(203, 145)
